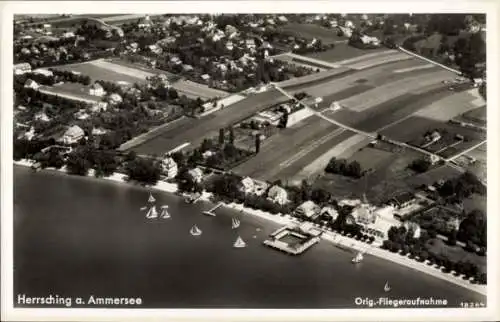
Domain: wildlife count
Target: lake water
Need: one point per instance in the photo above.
(76, 237)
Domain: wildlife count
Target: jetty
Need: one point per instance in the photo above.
(211, 212)
(294, 240)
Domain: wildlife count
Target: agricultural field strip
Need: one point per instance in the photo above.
(450, 107)
(365, 57)
(310, 59)
(71, 96)
(339, 150)
(121, 69)
(378, 61)
(275, 148)
(302, 64)
(345, 81)
(392, 90)
(310, 147)
(467, 151)
(409, 69)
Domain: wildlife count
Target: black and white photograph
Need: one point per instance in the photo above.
(207, 156)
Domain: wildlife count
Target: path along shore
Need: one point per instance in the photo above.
(329, 236)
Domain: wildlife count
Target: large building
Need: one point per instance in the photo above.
(169, 167)
(73, 135)
(97, 90)
(308, 209)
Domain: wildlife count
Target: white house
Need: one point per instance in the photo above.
(229, 45)
(99, 107)
(22, 68)
(329, 211)
(68, 34)
(41, 116)
(44, 72)
(414, 227)
(248, 186)
(308, 209)
(363, 215)
(98, 131)
(73, 135)
(30, 134)
(97, 90)
(282, 19)
(250, 43)
(196, 174)
(82, 115)
(205, 77)
(370, 40)
(115, 98)
(155, 49)
(169, 167)
(31, 84)
(278, 195)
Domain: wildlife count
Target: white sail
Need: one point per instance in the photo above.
(151, 198)
(164, 213)
(358, 258)
(258, 229)
(152, 213)
(195, 231)
(387, 288)
(239, 243)
(235, 223)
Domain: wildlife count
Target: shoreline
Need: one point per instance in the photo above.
(332, 237)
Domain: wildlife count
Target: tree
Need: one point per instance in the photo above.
(452, 238)
(185, 182)
(420, 165)
(320, 196)
(231, 135)
(221, 136)
(257, 144)
(77, 164)
(145, 171)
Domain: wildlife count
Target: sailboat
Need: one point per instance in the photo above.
(239, 243)
(152, 213)
(235, 223)
(195, 231)
(358, 258)
(387, 288)
(164, 212)
(151, 198)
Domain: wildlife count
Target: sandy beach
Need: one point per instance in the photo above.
(328, 236)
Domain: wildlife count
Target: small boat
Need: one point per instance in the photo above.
(358, 258)
(143, 208)
(254, 236)
(152, 213)
(195, 231)
(164, 212)
(387, 288)
(258, 229)
(235, 223)
(239, 243)
(151, 198)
